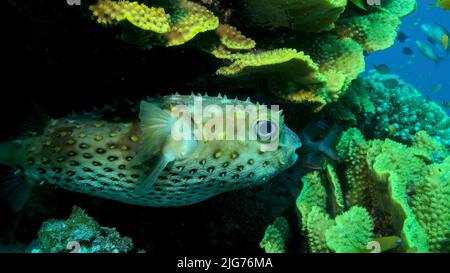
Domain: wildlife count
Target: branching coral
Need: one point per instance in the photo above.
(80, 230)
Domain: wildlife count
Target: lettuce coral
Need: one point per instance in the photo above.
(385, 192)
(351, 231)
(146, 18)
(387, 182)
(276, 237)
(315, 68)
(191, 20)
(307, 16)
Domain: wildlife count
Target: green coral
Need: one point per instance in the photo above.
(313, 69)
(56, 236)
(351, 231)
(276, 237)
(307, 16)
(316, 224)
(391, 177)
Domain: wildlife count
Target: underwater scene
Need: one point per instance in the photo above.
(225, 126)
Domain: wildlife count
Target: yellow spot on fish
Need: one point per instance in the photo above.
(57, 149)
(71, 142)
(98, 125)
(45, 160)
(62, 134)
(82, 135)
(234, 155)
(218, 154)
(98, 138)
(251, 162)
(134, 138)
(112, 135)
(112, 146)
(445, 41)
(48, 143)
(124, 148)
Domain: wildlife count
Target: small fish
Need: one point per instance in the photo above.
(359, 4)
(390, 83)
(437, 35)
(386, 243)
(444, 4)
(407, 51)
(435, 88)
(139, 162)
(402, 37)
(382, 69)
(428, 52)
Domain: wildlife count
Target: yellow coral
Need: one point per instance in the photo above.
(146, 18)
(194, 19)
(375, 31)
(232, 39)
(308, 97)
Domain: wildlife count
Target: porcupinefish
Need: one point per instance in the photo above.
(140, 162)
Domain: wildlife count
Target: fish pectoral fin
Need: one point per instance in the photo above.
(156, 125)
(147, 184)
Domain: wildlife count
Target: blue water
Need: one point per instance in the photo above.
(417, 70)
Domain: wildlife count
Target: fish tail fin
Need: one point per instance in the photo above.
(8, 154)
(328, 143)
(14, 189)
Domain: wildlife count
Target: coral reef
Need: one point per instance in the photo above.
(277, 236)
(328, 229)
(315, 68)
(307, 16)
(384, 106)
(79, 233)
(384, 193)
(383, 176)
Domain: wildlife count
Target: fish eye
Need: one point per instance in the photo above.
(265, 130)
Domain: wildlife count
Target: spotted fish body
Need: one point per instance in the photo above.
(108, 159)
